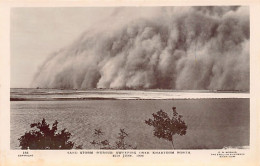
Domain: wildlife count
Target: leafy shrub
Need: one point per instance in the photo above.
(46, 137)
(105, 144)
(98, 142)
(121, 143)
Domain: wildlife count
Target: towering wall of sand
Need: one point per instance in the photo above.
(169, 48)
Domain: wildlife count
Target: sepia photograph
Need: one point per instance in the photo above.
(155, 78)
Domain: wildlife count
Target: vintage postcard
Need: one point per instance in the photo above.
(129, 83)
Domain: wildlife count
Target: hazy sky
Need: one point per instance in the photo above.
(37, 32)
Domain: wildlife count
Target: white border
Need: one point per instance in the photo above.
(197, 157)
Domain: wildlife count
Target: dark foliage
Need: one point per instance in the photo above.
(98, 142)
(121, 143)
(105, 144)
(46, 137)
(165, 127)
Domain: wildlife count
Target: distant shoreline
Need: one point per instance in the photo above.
(148, 90)
(60, 99)
(110, 94)
(99, 98)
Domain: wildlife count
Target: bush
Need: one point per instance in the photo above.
(121, 143)
(44, 137)
(105, 144)
(98, 142)
(166, 127)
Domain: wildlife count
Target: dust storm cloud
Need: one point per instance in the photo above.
(182, 48)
